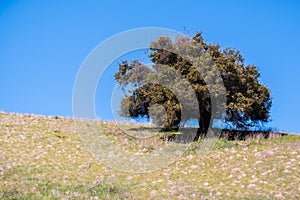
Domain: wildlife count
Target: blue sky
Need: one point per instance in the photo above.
(43, 44)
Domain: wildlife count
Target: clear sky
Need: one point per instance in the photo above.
(43, 44)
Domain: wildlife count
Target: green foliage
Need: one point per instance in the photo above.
(248, 101)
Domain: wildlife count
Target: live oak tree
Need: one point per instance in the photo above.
(248, 102)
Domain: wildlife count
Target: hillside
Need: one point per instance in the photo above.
(43, 158)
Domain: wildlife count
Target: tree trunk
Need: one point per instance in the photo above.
(204, 122)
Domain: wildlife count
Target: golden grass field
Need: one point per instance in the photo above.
(43, 158)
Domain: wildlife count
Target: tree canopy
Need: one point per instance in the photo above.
(248, 101)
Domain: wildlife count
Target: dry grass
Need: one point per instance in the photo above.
(43, 158)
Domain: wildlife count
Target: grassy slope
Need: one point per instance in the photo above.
(43, 158)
